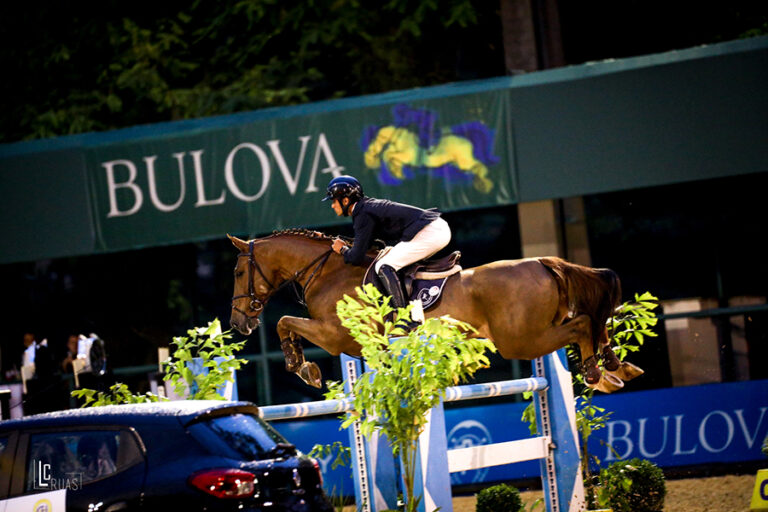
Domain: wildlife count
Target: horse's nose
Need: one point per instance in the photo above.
(233, 323)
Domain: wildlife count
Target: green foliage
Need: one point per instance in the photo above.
(206, 343)
(633, 486)
(118, 394)
(632, 323)
(115, 64)
(343, 453)
(409, 372)
(203, 343)
(765, 446)
(499, 498)
(343, 458)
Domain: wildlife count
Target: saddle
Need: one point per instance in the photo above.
(423, 280)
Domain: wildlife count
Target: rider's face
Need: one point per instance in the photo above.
(337, 206)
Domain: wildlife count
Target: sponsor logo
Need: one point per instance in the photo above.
(43, 506)
(466, 434)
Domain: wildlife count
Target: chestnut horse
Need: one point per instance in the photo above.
(527, 307)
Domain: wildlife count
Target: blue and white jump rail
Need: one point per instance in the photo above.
(376, 473)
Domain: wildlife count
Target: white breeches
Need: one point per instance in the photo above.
(432, 237)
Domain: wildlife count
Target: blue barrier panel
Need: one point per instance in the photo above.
(707, 424)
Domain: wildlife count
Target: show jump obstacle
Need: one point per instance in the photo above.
(375, 471)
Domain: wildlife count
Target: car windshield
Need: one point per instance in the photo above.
(248, 435)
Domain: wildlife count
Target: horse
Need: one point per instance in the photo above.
(528, 308)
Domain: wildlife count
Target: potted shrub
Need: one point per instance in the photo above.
(499, 498)
(636, 485)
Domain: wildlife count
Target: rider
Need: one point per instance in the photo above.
(416, 233)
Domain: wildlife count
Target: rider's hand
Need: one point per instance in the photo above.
(338, 245)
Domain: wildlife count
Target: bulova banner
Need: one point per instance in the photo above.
(258, 177)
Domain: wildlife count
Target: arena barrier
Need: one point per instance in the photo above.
(376, 473)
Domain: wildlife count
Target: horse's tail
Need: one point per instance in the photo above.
(595, 292)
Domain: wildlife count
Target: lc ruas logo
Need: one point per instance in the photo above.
(45, 480)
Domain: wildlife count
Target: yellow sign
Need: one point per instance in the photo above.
(760, 494)
(43, 506)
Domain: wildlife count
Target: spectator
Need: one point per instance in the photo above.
(30, 349)
(97, 456)
(66, 363)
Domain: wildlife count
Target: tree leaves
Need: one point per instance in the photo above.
(209, 346)
(122, 65)
(204, 345)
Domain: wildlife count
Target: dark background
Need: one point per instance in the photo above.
(696, 239)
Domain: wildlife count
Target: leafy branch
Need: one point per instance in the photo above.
(208, 345)
(200, 366)
(118, 394)
(409, 372)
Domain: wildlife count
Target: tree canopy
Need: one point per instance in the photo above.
(91, 66)
(74, 67)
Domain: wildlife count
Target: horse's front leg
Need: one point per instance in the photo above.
(291, 329)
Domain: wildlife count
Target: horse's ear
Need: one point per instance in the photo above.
(240, 244)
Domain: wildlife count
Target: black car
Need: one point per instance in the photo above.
(182, 455)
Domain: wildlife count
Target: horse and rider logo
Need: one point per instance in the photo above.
(415, 144)
(427, 292)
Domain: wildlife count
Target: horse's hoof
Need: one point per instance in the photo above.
(310, 373)
(611, 361)
(590, 371)
(628, 371)
(607, 384)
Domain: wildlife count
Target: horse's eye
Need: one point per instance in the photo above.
(239, 273)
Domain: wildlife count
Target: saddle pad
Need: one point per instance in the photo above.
(427, 290)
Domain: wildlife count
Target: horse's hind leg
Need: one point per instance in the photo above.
(575, 331)
(579, 331)
(623, 370)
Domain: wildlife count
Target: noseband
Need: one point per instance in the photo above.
(256, 304)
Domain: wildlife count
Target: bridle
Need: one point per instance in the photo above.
(256, 304)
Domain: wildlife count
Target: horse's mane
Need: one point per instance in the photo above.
(313, 235)
(303, 232)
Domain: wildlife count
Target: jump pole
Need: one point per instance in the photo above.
(556, 446)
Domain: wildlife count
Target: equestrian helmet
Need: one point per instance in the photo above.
(344, 186)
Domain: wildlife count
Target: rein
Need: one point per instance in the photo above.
(256, 305)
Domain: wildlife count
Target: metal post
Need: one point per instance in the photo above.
(373, 465)
(432, 479)
(556, 417)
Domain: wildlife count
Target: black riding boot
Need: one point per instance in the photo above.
(391, 281)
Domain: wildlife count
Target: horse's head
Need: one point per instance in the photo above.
(252, 288)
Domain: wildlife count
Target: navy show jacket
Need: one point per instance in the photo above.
(390, 221)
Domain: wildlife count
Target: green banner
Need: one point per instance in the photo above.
(447, 153)
(681, 116)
